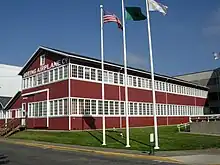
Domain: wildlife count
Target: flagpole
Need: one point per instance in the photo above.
(152, 77)
(125, 79)
(103, 87)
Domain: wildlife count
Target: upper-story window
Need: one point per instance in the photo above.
(42, 59)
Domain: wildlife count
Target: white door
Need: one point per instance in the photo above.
(23, 112)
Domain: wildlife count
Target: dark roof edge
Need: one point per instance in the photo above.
(16, 96)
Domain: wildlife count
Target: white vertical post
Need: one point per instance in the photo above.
(125, 70)
(69, 94)
(152, 77)
(103, 87)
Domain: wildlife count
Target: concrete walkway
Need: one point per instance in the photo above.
(197, 157)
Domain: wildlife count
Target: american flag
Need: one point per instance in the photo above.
(107, 17)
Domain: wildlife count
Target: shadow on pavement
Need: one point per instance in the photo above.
(3, 159)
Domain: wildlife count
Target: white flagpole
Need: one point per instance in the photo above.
(125, 79)
(152, 77)
(103, 87)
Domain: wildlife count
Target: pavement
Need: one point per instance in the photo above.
(194, 157)
(21, 154)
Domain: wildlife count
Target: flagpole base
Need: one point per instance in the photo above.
(127, 146)
(157, 148)
(104, 144)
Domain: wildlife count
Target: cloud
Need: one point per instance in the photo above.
(136, 60)
(213, 27)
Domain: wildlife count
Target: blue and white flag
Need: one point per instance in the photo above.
(156, 6)
(216, 55)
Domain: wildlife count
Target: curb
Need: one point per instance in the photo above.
(107, 153)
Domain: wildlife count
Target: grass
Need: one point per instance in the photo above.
(169, 138)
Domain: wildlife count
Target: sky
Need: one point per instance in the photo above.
(183, 40)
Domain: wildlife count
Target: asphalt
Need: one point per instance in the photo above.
(17, 154)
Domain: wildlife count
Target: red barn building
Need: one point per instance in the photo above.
(62, 91)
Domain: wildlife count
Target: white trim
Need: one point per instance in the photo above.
(35, 92)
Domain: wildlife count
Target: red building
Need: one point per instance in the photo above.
(62, 91)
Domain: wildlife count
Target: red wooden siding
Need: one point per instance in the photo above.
(93, 90)
(57, 90)
(59, 123)
(36, 123)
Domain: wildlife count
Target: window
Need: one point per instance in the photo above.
(93, 104)
(74, 106)
(134, 81)
(44, 108)
(121, 79)
(87, 73)
(51, 108)
(60, 73)
(65, 107)
(135, 108)
(87, 107)
(111, 77)
(60, 107)
(39, 79)
(116, 78)
(34, 80)
(139, 82)
(99, 75)
(111, 103)
(46, 77)
(140, 109)
(116, 108)
(105, 76)
(74, 71)
(130, 80)
(36, 109)
(100, 111)
(51, 75)
(81, 106)
(80, 72)
(55, 107)
(106, 107)
(65, 71)
(93, 74)
(131, 109)
(55, 74)
(29, 110)
(143, 83)
(144, 109)
(42, 60)
(122, 106)
(30, 85)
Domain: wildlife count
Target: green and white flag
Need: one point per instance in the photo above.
(134, 14)
(156, 6)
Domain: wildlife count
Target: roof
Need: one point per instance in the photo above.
(4, 101)
(85, 58)
(203, 71)
(12, 100)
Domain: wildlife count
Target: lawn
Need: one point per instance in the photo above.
(169, 138)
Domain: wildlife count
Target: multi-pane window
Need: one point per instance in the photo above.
(40, 108)
(130, 80)
(74, 106)
(99, 75)
(135, 108)
(139, 82)
(81, 106)
(110, 76)
(46, 77)
(51, 75)
(131, 109)
(87, 107)
(116, 108)
(93, 107)
(55, 107)
(134, 81)
(39, 79)
(140, 109)
(106, 107)
(121, 79)
(93, 74)
(74, 71)
(111, 104)
(51, 108)
(65, 71)
(44, 108)
(60, 73)
(80, 72)
(116, 78)
(56, 74)
(100, 105)
(105, 76)
(60, 107)
(87, 73)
